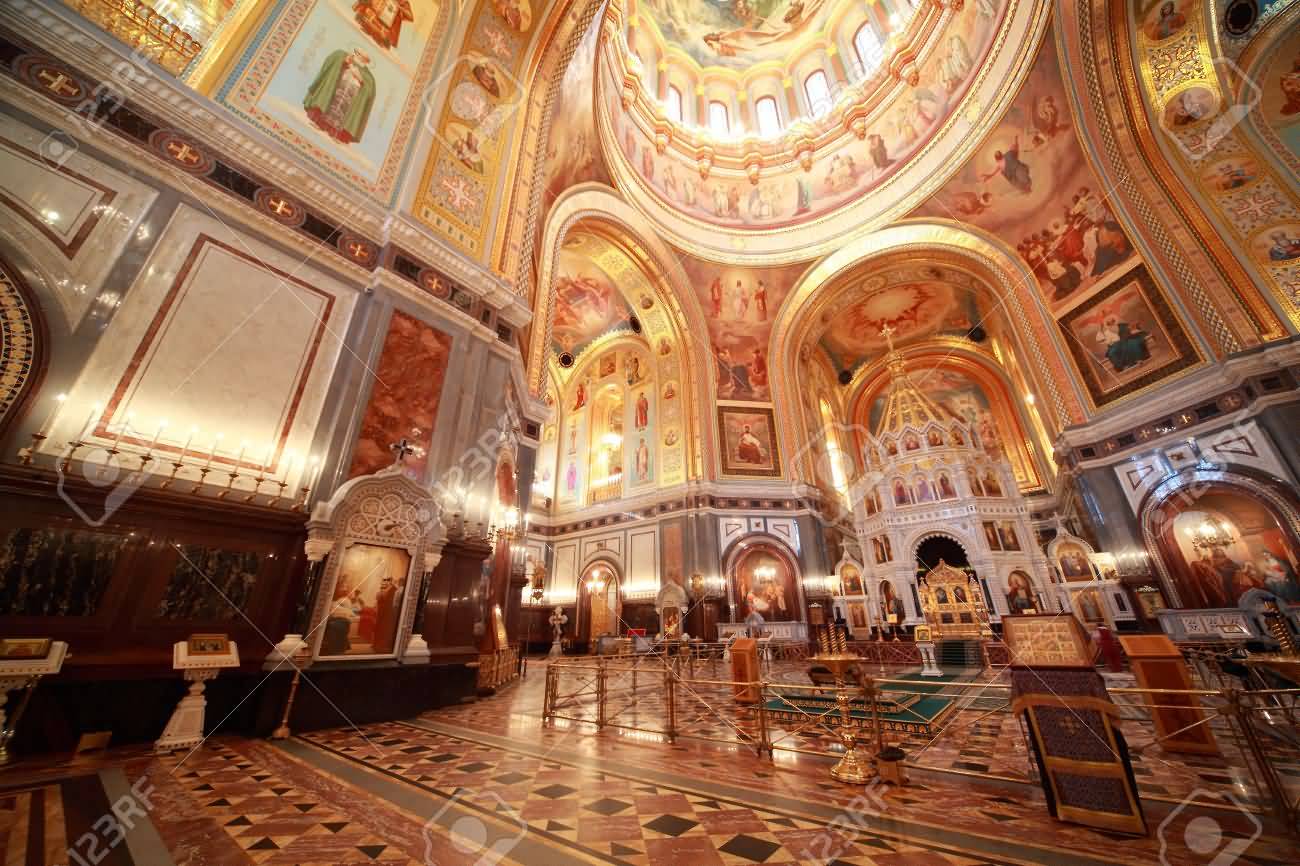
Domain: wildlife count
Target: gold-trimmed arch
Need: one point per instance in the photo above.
(597, 209)
(1035, 336)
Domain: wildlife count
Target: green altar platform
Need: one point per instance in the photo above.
(921, 713)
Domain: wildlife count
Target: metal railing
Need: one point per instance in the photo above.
(667, 696)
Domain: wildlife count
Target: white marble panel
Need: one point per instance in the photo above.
(71, 213)
(643, 560)
(222, 333)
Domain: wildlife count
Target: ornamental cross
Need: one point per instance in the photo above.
(401, 448)
(557, 621)
(888, 332)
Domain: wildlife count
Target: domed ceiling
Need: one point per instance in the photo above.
(737, 34)
(887, 140)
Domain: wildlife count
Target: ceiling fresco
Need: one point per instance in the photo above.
(572, 149)
(870, 158)
(916, 303)
(740, 305)
(588, 303)
(736, 34)
(1030, 184)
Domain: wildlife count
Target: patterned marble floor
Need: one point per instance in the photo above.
(979, 736)
(485, 783)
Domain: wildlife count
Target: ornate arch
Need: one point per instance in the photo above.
(1192, 483)
(1037, 340)
(23, 346)
(598, 208)
(913, 541)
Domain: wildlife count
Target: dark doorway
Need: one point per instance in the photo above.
(940, 547)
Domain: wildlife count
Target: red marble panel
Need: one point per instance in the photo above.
(404, 397)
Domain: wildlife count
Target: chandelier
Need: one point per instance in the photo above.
(596, 583)
(1212, 533)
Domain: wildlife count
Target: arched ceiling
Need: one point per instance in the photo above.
(588, 301)
(914, 302)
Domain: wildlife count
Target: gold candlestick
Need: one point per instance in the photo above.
(198, 485)
(176, 467)
(230, 485)
(26, 454)
(74, 446)
(257, 485)
(279, 493)
(103, 467)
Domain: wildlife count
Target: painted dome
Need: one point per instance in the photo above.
(781, 128)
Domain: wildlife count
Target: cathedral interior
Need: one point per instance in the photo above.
(705, 432)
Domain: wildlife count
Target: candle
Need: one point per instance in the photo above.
(90, 423)
(58, 404)
(312, 473)
(216, 440)
(186, 446)
(162, 425)
(243, 446)
(122, 430)
(288, 464)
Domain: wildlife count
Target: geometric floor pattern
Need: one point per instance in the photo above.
(485, 782)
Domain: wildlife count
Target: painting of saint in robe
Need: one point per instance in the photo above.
(339, 100)
(748, 448)
(381, 20)
(642, 461)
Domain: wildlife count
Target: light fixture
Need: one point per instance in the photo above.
(1212, 533)
(596, 583)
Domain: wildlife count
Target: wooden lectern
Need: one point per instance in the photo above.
(1158, 664)
(744, 669)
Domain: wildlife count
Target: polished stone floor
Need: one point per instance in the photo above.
(486, 783)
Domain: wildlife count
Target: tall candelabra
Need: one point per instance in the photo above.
(833, 652)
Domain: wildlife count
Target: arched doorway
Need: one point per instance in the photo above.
(601, 609)
(938, 548)
(765, 580)
(1225, 541)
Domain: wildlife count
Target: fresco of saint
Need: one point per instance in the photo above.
(339, 100)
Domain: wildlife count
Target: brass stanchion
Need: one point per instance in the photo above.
(600, 693)
(764, 738)
(671, 685)
(548, 699)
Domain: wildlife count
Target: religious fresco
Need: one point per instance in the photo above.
(748, 439)
(1163, 19)
(1020, 593)
(841, 172)
(1259, 555)
(735, 35)
(765, 584)
(1031, 185)
(1072, 560)
(340, 83)
(916, 303)
(1126, 338)
(587, 303)
(740, 306)
(406, 390)
(1280, 100)
(366, 606)
(572, 149)
(483, 99)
